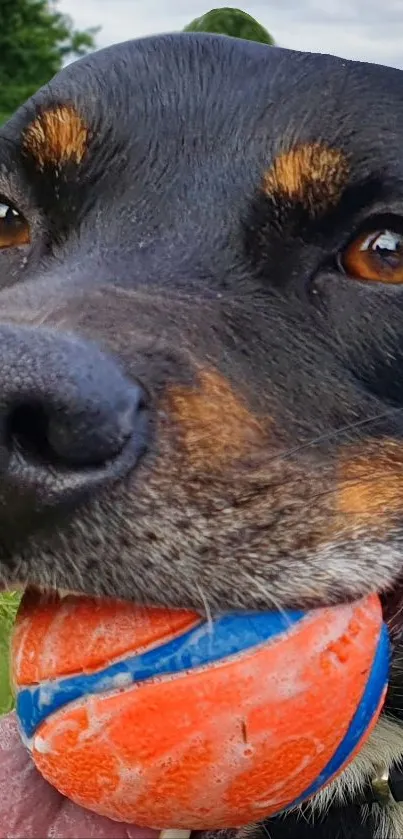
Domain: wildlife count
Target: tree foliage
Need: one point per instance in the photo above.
(232, 22)
(35, 40)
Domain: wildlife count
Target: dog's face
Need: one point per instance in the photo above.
(232, 232)
(226, 220)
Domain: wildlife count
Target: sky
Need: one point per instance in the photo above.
(367, 30)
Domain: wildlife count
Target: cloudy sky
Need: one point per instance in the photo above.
(368, 30)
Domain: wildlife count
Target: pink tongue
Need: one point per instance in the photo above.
(32, 809)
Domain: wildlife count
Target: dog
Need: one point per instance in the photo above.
(201, 377)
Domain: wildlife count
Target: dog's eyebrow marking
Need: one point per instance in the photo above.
(56, 136)
(215, 426)
(312, 175)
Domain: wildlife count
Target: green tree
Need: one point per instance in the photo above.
(232, 22)
(35, 40)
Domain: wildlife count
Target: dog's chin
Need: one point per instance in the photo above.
(391, 599)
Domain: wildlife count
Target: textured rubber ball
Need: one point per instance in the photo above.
(161, 718)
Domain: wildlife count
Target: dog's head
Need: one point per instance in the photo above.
(230, 231)
(201, 378)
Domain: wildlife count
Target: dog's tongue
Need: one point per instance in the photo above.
(30, 808)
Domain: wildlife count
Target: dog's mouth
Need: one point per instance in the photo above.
(31, 808)
(21, 786)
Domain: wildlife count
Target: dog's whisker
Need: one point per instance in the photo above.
(206, 607)
(331, 435)
(269, 597)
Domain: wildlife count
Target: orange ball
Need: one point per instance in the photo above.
(160, 718)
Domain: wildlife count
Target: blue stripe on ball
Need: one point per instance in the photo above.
(362, 718)
(229, 635)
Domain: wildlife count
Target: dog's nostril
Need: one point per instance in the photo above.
(27, 431)
(85, 437)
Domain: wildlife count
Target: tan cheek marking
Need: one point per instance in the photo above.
(313, 175)
(56, 137)
(214, 424)
(371, 483)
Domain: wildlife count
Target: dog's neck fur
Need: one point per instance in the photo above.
(383, 748)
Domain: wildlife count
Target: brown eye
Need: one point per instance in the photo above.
(376, 256)
(14, 229)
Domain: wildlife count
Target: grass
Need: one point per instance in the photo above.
(8, 607)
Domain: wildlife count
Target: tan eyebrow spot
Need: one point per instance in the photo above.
(56, 137)
(313, 175)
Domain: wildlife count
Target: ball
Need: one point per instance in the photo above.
(168, 720)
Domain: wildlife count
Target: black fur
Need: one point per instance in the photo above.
(162, 245)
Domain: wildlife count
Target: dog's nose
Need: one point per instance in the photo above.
(69, 416)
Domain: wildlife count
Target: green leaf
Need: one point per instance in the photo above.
(9, 603)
